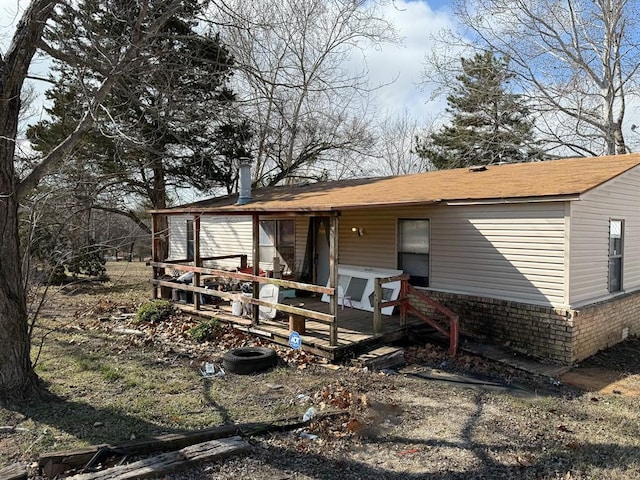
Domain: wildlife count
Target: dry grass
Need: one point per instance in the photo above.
(113, 387)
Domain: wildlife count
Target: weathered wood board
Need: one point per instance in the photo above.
(171, 461)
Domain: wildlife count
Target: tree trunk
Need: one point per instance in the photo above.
(17, 377)
(621, 147)
(158, 196)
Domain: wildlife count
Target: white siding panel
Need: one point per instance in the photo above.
(226, 236)
(521, 247)
(230, 235)
(178, 236)
(589, 250)
(508, 251)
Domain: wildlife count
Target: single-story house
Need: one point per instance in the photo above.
(543, 257)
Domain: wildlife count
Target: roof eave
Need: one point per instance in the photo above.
(500, 200)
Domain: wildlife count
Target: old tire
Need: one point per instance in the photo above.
(246, 360)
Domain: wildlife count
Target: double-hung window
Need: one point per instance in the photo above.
(413, 250)
(190, 241)
(277, 239)
(616, 252)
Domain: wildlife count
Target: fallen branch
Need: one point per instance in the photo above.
(11, 429)
(128, 331)
(171, 461)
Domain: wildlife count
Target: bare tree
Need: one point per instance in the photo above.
(575, 63)
(131, 32)
(395, 147)
(299, 82)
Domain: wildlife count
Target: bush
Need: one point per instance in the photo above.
(154, 312)
(204, 330)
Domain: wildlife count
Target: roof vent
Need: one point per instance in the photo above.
(477, 168)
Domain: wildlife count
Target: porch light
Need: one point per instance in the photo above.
(358, 231)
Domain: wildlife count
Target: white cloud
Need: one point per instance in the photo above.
(415, 22)
(402, 65)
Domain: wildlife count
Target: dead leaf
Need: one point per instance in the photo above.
(524, 461)
(354, 425)
(409, 451)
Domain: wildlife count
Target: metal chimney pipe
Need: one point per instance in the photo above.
(244, 180)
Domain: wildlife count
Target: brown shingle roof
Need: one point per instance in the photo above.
(557, 178)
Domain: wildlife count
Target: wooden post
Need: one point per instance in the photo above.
(404, 293)
(154, 251)
(333, 278)
(454, 332)
(197, 260)
(256, 266)
(297, 323)
(377, 311)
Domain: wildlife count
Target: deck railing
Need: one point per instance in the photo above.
(196, 288)
(407, 291)
(404, 301)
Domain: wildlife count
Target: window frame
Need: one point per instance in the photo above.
(416, 280)
(276, 242)
(615, 256)
(190, 240)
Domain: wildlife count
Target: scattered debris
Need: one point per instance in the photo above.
(308, 436)
(309, 414)
(212, 370)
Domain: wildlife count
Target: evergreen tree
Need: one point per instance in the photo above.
(167, 124)
(488, 125)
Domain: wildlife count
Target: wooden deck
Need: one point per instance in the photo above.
(355, 327)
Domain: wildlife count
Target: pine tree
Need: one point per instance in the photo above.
(167, 125)
(488, 125)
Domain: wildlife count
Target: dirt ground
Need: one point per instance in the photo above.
(438, 417)
(612, 371)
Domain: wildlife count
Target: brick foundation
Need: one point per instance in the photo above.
(562, 336)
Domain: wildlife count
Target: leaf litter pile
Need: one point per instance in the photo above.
(363, 424)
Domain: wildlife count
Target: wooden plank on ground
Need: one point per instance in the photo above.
(171, 461)
(381, 358)
(13, 472)
(58, 462)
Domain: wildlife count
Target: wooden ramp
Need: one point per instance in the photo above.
(355, 327)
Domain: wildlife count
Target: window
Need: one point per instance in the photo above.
(413, 250)
(616, 249)
(277, 239)
(190, 243)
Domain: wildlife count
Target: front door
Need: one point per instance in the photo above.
(322, 254)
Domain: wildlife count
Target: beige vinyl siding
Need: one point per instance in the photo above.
(589, 248)
(218, 236)
(226, 236)
(302, 230)
(230, 235)
(507, 251)
(178, 236)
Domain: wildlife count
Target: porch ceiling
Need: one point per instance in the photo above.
(557, 179)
